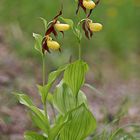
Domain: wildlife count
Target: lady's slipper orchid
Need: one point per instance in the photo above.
(61, 27)
(89, 27)
(95, 27)
(51, 28)
(53, 45)
(89, 4)
(48, 44)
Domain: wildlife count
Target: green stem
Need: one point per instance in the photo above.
(43, 69)
(45, 109)
(80, 50)
(44, 80)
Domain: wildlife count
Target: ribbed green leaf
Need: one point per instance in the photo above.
(38, 115)
(59, 124)
(74, 75)
(64, 100)
(39, 118)
(24, 99)
(82, 98)
(53, 75)
(30, 135)
(50, 98)
(80, 125)
(44, 90)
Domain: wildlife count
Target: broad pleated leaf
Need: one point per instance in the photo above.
(38, 115)
(39, 118)
(74, 75)
(64, 100)
(59, 124)
(53, 75)
(29, 135)
(80, 125)
(44, 90)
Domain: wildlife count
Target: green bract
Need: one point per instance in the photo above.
(38, 40)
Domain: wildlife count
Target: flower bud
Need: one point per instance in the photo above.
(95, 27)
(61, 27)
(89, 4)
(53, 45)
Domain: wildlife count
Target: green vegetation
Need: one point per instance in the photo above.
(72, 118)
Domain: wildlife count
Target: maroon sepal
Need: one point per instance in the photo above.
(54, 32)
(89, 13)
(51, 29)
(97, 2)
(86, 28)
(80, 4)
(44, 46)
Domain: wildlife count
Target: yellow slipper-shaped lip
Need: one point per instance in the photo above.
(53, 45)
(62, 27)
(89, 4)
(95, 27)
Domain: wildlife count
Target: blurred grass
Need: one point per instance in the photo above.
(118, 42)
